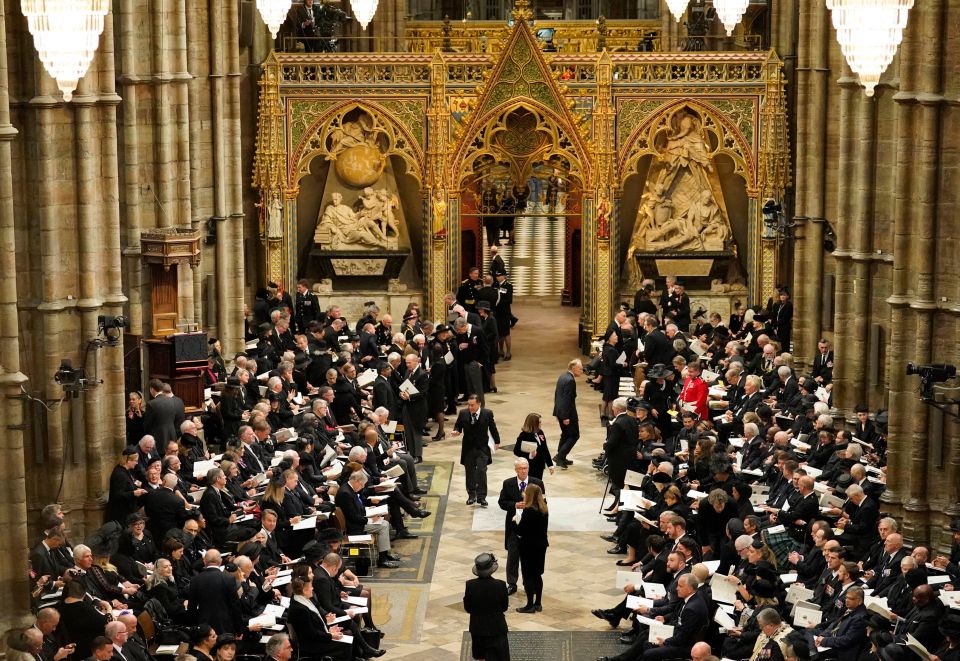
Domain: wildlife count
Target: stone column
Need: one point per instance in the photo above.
(927, 95)
(812, 80)
(846, 373)
(14, 543)
(235, 177)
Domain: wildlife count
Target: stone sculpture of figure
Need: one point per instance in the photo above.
(340, 227)
(388, 221)
(685, 148)
(352, 134)
(275, 218)
(439, 213)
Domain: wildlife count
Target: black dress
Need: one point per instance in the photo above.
(121, 502)
(542, 460)
(611, 372)
(135, 428)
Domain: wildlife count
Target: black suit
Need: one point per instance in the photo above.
(475, 452)
(565, 408)
(621, 447)
(354, 513)
(806, 509)
(823, 367)
(509, 497)
(165, 510)
(861, 531)
(657, 348)
(383, 395)
(414, 411)
(214, 601)
(886, 571)
(692, 621)
(215, 511)
(47, 562)
(486, 600)
(163, 418)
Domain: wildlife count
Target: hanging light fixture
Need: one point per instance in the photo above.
(363, 11)
(677, 7)
(273, 13)
(869, 32)
(66, 34)
(730, 12)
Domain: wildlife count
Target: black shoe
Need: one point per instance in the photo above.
(538, 608)
(421, 514)
(628, 639)
(418, 460)
(374, 631)
(617, 550)
(414, 497)
(391, 556)
(511, 589)
(372, 653)
(609, 538)
(612, 519)
(387, 564)
(568, 462)
(419, 492)
(439, 437)
(625, 563)
(483, 502)
(529, 608)
(600, 613)
(405, 534)
(471, 500)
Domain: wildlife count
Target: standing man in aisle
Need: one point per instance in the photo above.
(480, 440)
(511, 500)
(565, 410)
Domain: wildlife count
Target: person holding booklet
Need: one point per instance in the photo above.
(532, 445)
(532, 533)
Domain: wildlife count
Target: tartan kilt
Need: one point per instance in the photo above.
(782, 544)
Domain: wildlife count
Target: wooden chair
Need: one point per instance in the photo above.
(355, 553)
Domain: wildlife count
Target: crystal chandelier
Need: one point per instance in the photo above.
(677, 7)
(730, 12)
(66, 34)
(273, 13)
(363, 11)
(869, 32)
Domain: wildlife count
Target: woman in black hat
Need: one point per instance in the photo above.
(136, 541)
(486, 600)
(125, 489)
(231, 408)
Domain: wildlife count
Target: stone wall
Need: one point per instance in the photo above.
(882, 172)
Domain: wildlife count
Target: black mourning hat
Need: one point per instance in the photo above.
(105, 540)
(223, 640)
(485, 565)
(483, 305)
(233, 381)
(660, 478)
(763, 588)
(658, 371)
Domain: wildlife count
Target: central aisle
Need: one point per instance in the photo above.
(544, 341)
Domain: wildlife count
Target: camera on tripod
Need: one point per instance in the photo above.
(931, 374)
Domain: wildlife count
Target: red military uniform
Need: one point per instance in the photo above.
(695, 392)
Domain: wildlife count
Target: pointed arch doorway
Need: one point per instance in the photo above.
(523, 191)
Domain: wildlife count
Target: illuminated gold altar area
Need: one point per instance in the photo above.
(609, 124)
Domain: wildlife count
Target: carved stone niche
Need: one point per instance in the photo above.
(161, 249)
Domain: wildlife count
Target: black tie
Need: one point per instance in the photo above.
(474, 418)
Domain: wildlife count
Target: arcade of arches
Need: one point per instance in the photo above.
(196, 163)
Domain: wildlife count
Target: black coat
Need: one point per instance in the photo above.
(213, 600)
(621, 447)
(692, 620)
(476, 436)
(383, 395)
(80, 623)
(163, 418)
(532, 531)
(354, 514)
(509, 497)
(326, 592)
(313, 638)
(165, 510)
(486, 600)
(217, 515)
(416, 406)
(121, 501)
(543, 458)
(657, 348)
(565, 398)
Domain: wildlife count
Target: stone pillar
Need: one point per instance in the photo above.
(812, 80)
(14, 543)
(846, 373)
(234, 299)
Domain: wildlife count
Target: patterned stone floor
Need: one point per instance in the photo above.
(579, 574)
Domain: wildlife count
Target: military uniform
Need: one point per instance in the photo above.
(467, 294)
(307, 309)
